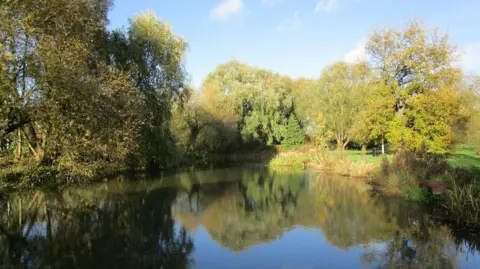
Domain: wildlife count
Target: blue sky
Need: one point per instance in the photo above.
(298, 37)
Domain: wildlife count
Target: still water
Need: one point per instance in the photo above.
(226, 218)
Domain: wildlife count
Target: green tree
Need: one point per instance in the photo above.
(470, 98)
(307, 96)
(346, 88)
(293, 134)
(375, 117)
(261, 100)
(153, 56)
(60, 102)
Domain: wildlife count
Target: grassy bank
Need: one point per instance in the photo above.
(450, 183)
(353, 163)
(465, 157)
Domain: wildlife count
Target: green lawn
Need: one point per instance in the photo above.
(464, 157)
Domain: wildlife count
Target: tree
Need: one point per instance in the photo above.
(375, 117)
(469, 94)
(346, 88)
(293, 134)
(60, 101)
(153, 55)
(417, 67)
(80, 97)
(307, 96)
(261, 100)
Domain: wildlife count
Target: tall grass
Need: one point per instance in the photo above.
(408, 172)
(335, 162)
(463, 204)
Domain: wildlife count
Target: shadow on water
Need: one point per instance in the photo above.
(153, 224)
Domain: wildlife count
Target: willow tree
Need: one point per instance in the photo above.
(417, 67)
(59, 101)
(470, 97)
(153, 56)
(307, 96)
(261, 100)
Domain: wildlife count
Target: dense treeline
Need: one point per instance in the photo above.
(408, 93)
(80, 98)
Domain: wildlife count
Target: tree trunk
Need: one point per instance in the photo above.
(18, 149)
(344, 145)
(339, 144)
(383, 147)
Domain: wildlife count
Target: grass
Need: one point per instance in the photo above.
(403, 174)
(465, 157)
(463, 204)
(348, 162)
(358, 156)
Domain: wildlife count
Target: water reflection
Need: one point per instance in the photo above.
(87, 229)
(256, 213)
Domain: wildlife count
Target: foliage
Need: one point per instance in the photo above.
(261, 100)
(408, 172)
(469, 94)
(75, 95)
(345, 89)
(307, 96)
(61, 103)
(153, 56)
(416, 66)
(83, 100)
(293, 134)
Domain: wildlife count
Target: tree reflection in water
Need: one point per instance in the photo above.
(133, 225)
(265, 204)
(89, 229)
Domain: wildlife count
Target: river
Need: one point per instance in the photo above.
(243, 217)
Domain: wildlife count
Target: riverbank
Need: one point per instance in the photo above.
(27, 174)
(450, 183)
(354, 163)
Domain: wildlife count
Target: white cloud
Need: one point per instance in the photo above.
(290, 24)
(272, 3)
(470, 59)
(227, 9)
(326, 6)
(358, 53)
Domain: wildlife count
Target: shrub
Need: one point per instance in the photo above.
(408, 171)
(417, 194)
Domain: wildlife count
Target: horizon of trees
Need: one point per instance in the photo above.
(408, 93)
(79, 97)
